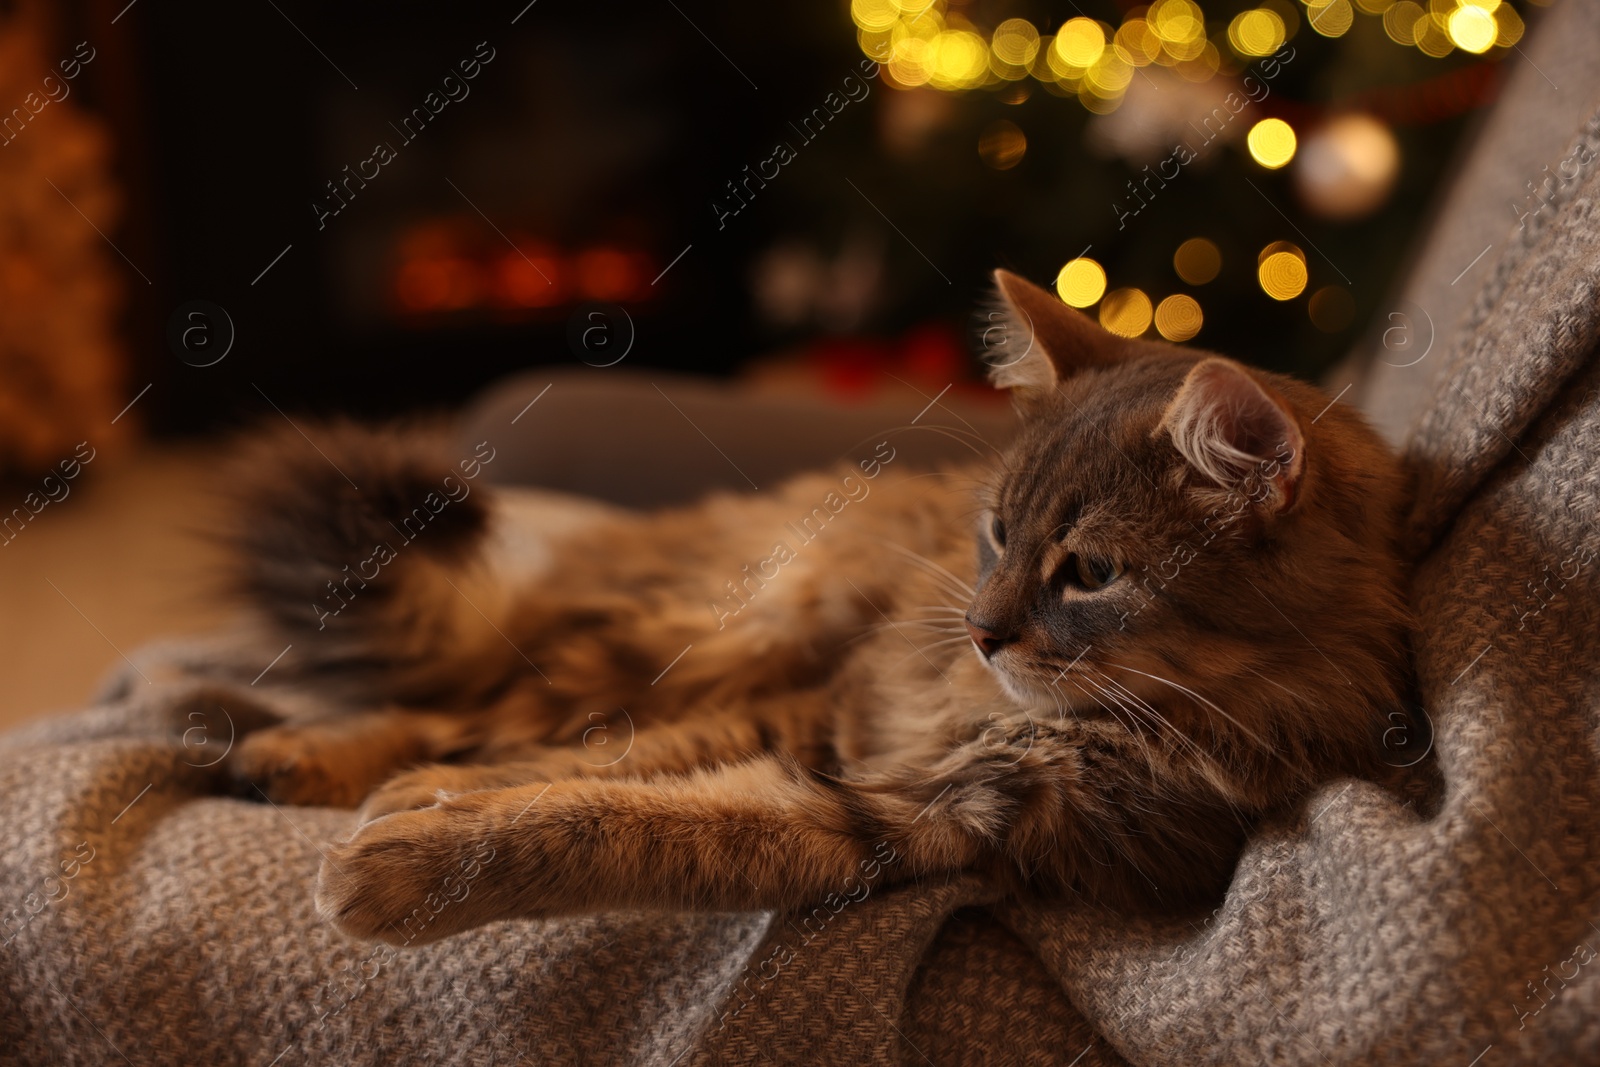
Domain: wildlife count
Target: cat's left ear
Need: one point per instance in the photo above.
(1238, 433)
(1035, 341)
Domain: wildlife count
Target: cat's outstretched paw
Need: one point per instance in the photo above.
(411, 878)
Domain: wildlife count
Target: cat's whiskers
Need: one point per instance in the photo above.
(943, 617)
(1127, 723)
(1059, 697)
(900, 626)
(1225, 779)
(1162, 721)
(952, 625)
(1135, 721)
(959, 436)
(1128, 695)
(923, 650)
(1263, 744)
(949, 580)
(973, 429)
(1121, 694)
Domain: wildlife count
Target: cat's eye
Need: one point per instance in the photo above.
(1089, 573)
(997, 530)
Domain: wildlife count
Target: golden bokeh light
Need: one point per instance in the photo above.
(934, 43)
(1137, 43)
(1096, 101)
(1002, 145)
(1109, 75)
(1056, 67)
(874, 14)
(1125, 312)
(1081, 282)
(1015, 42)
(911, 61)
(1271, 142)
(1203, 67)
(1282, 275)
(1258, 32)
(1080, 42)
(1180, 24)
(1197, 261)
(1280, 246)
(1400, 22)
(960, 60)
(1509, 26)
(1332, 309)
(1472, 29)
(1431, 38)
(1332, 18)
(1178, 317)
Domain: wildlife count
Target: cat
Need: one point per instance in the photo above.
(1173, 605)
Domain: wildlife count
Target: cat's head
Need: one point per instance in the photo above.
(1171, 520)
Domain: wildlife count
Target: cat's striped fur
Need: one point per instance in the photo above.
(1117, 739)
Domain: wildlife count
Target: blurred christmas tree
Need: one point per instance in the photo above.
(62, 365)
(1245, 175)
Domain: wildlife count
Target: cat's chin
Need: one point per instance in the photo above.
(1028, 694)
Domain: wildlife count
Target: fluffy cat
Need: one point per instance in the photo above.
(1173, 605)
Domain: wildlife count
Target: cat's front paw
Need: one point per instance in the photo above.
(408, 879)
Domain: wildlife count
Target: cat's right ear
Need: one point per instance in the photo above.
(1034, 340)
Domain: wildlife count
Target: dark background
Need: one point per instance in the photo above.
(609, 130)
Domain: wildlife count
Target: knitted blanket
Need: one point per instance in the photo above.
(148, 917)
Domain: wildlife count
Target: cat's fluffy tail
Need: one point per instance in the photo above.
(368, 552)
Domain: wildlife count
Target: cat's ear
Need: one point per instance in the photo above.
(1238, 433)
(1035, 341)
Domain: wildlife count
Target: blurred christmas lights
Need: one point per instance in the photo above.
(1345, 166)
(1197, 260)
(1081, 282)
(926, 44)
(1272, 143)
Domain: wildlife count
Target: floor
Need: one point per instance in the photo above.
(118, 561)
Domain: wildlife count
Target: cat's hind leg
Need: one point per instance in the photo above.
(337, 761)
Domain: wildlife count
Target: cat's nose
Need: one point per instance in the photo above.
(988, 641)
